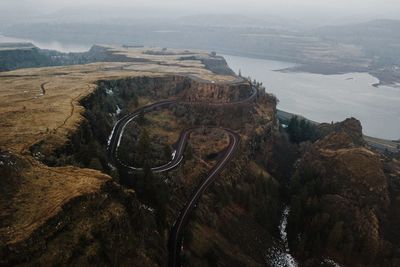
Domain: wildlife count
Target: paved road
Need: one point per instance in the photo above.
(121, 124)
(176, 234)
(118, 131)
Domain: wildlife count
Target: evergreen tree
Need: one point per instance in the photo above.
(141, 119)
(95, 164)
(143, 149)
(167, 152)
(336, 235)
(300, 130)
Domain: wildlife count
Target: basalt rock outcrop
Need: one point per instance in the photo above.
(62, 203)
(215, 93)
(340, 200)
(87, 220)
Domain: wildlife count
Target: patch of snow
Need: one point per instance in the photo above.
(109, 91)
(6, 160)
(173, 154)
(38, 155)
(112, 167)
(118, 111)
(147, 208)
(331, 262)
(111, 135)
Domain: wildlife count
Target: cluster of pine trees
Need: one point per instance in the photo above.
(301, 130)
(315, 228)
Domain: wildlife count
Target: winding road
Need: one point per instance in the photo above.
(118, 131)
(176, 234)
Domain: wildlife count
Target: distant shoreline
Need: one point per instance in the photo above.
(377, 143)
(384, 79)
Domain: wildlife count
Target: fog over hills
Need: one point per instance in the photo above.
(306, 13)
(200, 133)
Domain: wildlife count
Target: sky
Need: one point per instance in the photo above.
(332, 10)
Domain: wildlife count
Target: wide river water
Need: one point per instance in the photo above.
(326, 98)
(321, 98)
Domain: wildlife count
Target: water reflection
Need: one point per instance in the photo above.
(326, 98)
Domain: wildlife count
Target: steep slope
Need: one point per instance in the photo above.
(70, 215)
(55, 210)
(340, 201)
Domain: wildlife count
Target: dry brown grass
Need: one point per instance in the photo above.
(27, 117)
(203, 143)
(39, 192)
(209, 141)
(164, 123)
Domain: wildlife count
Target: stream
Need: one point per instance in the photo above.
(279, 256)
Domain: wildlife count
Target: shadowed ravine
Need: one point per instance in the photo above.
(176, 234)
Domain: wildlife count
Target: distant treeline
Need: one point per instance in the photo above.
(29, 56)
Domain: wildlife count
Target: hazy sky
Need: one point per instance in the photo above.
(323, 9)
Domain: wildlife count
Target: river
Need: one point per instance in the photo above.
(321, 98)
(326, 98)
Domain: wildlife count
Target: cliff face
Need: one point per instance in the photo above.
(62, 204)
(86, 147)
(236, 220)
(215, 93)
(340, 199)
(71, 216)
(92, 224)
(82, 217)
(345, 134)
(57, 209)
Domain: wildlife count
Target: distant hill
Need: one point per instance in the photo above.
(366, 46)
(379, 38)
(235, 20)
(26, 55)
(382, 30)
(16, 46)
(21, 55)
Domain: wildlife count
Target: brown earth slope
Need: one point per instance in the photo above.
(341, 200)
(40, 205)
